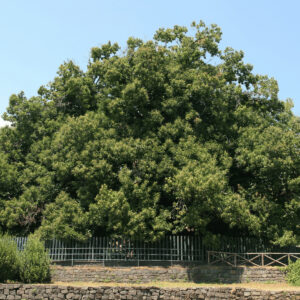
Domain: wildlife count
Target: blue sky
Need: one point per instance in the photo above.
(37, 36)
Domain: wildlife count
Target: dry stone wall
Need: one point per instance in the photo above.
(205, 273)
(47, 292)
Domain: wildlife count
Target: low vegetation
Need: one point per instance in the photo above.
(35, 262)
(29, 266)
(293, 273)
(9, 259)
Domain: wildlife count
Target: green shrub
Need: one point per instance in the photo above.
(9, 259)
(293, 273)
(35, 262)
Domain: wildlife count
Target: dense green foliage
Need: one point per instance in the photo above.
(171, 135)
(35, 262)
(9, 259)
(293, 273)
(30, 265)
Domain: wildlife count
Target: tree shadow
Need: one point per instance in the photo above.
(215, 274)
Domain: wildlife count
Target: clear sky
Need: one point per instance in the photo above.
(37, 36)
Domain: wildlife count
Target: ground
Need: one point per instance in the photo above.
(272, 286)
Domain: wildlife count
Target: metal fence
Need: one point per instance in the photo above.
(173, 248)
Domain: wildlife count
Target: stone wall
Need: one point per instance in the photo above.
(205, 273)
(43, 292)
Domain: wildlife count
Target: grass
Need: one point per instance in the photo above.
(162, 284)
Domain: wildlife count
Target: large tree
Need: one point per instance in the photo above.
(171, 135)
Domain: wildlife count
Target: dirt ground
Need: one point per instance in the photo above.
(250, 285)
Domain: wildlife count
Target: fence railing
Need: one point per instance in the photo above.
(251, 259)
(173, 248)
(170, 249)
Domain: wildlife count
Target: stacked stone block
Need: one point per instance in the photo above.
(205, 273)
(47, 292)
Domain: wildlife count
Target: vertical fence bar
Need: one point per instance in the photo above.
(138, 253)
(177, 248)
(105, 248)
(55, 249)
(72, 257)
(93, 246)
(58, 249)
(181, 248)
(160, 247)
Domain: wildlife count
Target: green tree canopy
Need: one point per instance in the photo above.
(170, 135)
